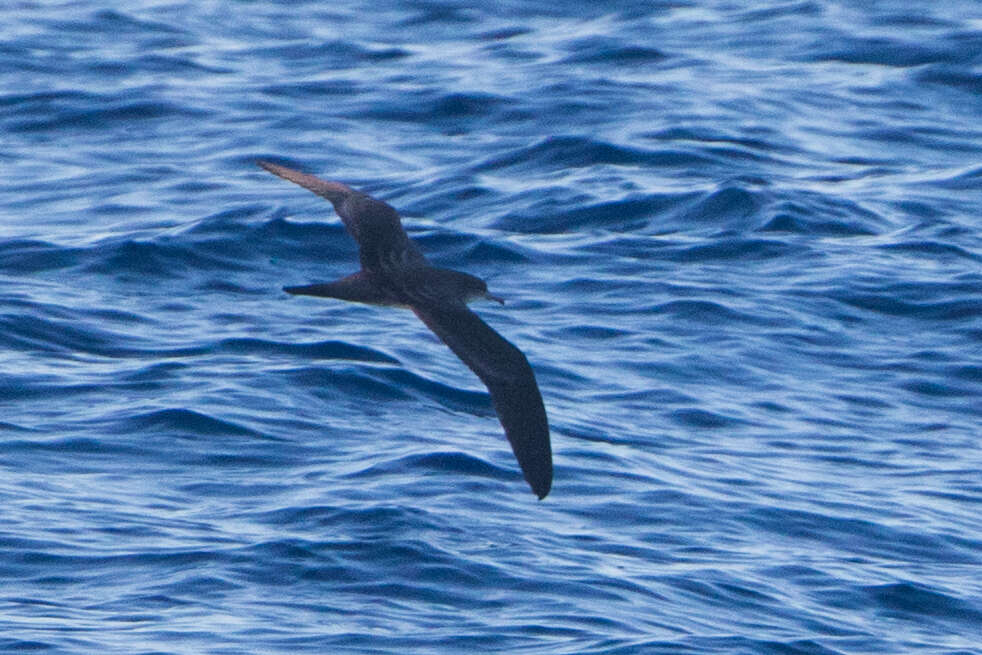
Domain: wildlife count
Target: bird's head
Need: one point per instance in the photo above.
(454, 285)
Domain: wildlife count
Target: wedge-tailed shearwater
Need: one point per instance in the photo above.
(394, 272)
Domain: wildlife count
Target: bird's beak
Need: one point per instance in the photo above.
(497, 299)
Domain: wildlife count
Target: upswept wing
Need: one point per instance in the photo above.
(377, 228)
(333, 191)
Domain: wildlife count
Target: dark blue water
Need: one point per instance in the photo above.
(741, 245)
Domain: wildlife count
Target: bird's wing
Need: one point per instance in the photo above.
(333, 191)
(383, 243)
(507, 374)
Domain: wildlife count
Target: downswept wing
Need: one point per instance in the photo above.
(506, 372)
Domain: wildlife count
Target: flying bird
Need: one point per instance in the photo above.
(395, 272)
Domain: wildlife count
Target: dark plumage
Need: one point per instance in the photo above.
(394, 272)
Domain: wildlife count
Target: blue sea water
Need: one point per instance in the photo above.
(741, 245)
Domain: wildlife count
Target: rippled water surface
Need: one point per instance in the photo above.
(740, 244)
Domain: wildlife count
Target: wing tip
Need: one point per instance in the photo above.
(540, 479)
(543, 488)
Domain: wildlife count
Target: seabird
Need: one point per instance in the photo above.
(394, 272)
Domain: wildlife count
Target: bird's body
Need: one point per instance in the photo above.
(394, 272)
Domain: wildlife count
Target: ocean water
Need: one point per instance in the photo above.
(740, 243)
